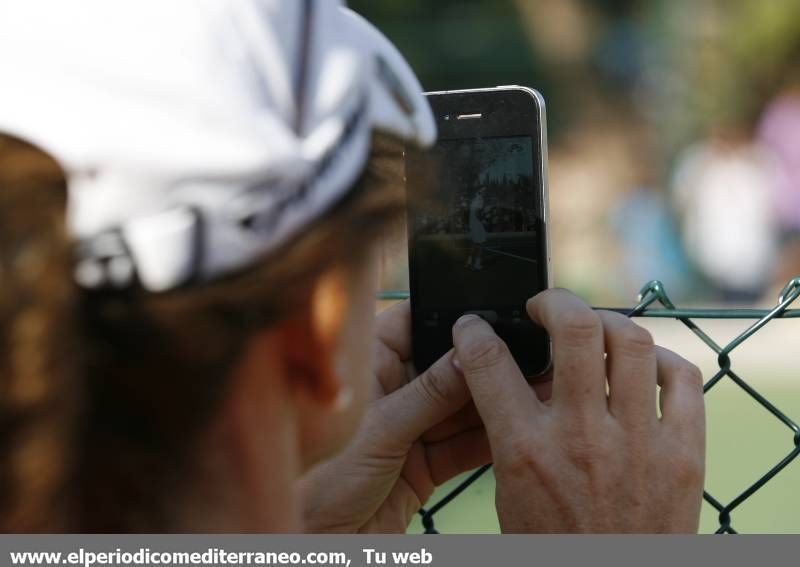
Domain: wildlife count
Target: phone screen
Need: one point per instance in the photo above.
(477, 241)
(475, 231)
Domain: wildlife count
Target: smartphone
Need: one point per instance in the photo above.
(477, 222)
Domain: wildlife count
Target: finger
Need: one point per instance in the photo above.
(393, 328)
(631, 368)
(391, 371)
(464, 452)
(463, 420)
(499, 390)
(579, 377)
(681, 400)
(468, 417)
(434, 395)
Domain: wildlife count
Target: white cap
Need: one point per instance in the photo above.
(198, 135)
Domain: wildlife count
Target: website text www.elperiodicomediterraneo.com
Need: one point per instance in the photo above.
(216, 556)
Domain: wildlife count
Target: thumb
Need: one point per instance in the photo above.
(433, 396)
(503, 398)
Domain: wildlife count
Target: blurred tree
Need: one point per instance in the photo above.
(715, 63)
(454, 44)
(457, 44)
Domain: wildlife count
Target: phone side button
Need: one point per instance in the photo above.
(489, 316)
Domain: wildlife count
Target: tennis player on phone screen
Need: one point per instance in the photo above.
(477, 232)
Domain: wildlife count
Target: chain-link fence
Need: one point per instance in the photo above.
(654, 302)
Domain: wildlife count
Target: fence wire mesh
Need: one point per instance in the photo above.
(654, 302)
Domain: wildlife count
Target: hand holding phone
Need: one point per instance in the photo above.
(478, 222)
(587, 461)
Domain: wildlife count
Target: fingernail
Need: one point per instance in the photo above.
(465, 318)
(456, 362)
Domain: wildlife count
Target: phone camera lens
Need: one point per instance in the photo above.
(447, 117)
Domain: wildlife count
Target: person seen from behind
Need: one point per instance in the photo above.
(188, 232)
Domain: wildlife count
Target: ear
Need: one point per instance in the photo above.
(309, 341)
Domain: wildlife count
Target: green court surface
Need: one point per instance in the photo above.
(744, 441)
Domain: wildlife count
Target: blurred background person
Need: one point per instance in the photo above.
(723, 188)
(779, 131)
(477, 231)
(645, 226)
